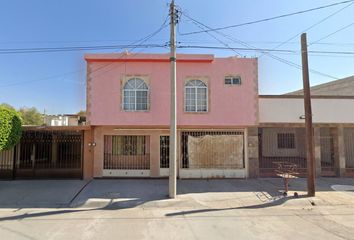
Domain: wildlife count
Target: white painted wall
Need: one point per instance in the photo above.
(61, 120)
(288, 110)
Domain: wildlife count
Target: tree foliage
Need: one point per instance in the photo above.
(7, 106)
(10, 128)
(31, 116)
(82, 113)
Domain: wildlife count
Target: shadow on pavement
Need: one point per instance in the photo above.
(116, 194)
(274, 203)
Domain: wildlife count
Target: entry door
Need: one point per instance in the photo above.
(164, 155)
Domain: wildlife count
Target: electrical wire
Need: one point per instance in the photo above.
(200, 25)
(135, 44)
(75, 48)
(271, 18)
(223, 43)
(331, 34)
(141, 41)
(312, 26)
(265, 49)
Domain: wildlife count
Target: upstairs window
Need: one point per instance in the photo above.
(196, 96)
(135, 95)
(233, 80)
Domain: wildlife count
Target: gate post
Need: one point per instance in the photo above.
(341, 152)
(87, 162)
(253, 153)
(317, 140)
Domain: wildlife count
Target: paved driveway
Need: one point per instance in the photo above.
(38, 193)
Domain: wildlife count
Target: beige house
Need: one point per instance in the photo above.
(282, 133)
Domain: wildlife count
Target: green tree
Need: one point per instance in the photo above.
(10, 127)
(31, 116)
(7, 106)
(82, 113)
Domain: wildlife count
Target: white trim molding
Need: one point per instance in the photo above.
(125, 173)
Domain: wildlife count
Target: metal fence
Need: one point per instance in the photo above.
(212, 149)
(277, 145)
(327, 152)
(288, 145)
(164, 151)
(6, 164)
(50, 154)
(126, 152)
(349, 150)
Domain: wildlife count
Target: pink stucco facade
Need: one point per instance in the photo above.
(228, 105)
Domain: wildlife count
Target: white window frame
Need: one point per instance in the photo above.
(232, 77)
(196, 96)
(135, 90)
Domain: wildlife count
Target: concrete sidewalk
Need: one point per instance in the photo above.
(213, 194)
(204, 209)
(152, 193)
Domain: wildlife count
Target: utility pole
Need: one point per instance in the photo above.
(308, 119)
(173, 117)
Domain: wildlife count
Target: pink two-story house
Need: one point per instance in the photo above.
(128, 107)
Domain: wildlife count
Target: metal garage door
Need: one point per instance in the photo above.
(49, 154)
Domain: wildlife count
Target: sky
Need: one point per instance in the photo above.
(54, 82)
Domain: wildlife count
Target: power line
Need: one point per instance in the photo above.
(138, 42)
(265, 49)
(327, 36)
(312, 26)
(141, 41)
(75, 48)
(217, 39)
(45, 78)
(269, 19)
(268, 54)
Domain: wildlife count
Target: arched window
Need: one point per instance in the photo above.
(135, 95)
(196, 96)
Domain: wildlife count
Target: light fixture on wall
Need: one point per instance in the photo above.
(302, 117)
(92, 144)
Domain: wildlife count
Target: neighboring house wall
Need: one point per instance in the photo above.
(289, 110)
(333, 118)
(73, 121)
(61, 120)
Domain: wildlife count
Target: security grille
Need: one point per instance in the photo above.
(50, 154)
(6, 163)
(126, 152)
(212, 150)
(288, 145)
(349, 150)
(164, 151)
(281, 145)
(327, 152)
